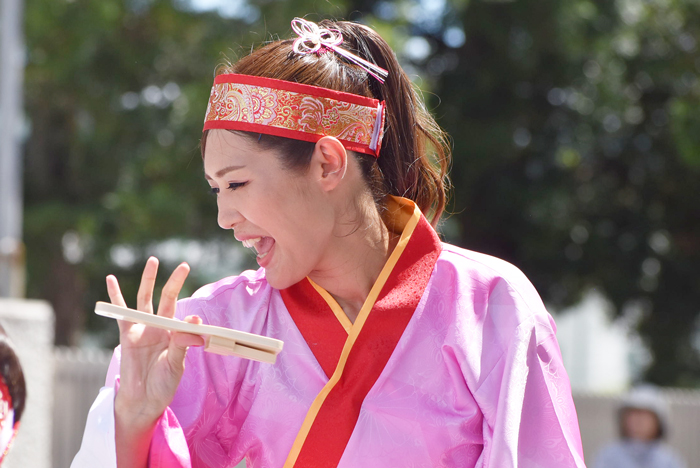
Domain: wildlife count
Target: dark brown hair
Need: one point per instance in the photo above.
(415, 155)
(11, 372)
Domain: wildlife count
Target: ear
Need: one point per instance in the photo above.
(329, 162)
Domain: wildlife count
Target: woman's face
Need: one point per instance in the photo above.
(280, 213)
(640, 424)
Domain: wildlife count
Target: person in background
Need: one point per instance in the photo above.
(13, 394)
(643, 425)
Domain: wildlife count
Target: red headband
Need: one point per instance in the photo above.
(297, 111)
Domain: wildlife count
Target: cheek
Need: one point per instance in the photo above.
(304, 216)
(302, 244)
(302, 239)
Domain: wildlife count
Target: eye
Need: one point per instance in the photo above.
(231, 186)
(235, 185)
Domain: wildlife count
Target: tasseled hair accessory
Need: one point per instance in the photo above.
(312, 39)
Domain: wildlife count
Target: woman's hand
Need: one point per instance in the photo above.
(152, 364)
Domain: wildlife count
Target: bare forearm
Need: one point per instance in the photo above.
(132, 445)
(133, 440)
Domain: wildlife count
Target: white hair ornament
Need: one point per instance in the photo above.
(312, 38)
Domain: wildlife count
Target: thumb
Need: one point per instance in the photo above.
(179, 343)
(176, 357)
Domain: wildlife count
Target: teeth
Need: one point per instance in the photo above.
(249, 243)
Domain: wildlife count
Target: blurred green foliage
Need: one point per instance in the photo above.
(575, 130)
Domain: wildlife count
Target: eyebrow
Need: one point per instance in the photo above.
(222, 172)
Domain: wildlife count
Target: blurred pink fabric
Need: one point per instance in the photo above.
(476, 381)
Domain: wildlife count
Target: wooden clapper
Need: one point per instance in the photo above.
(218, 340)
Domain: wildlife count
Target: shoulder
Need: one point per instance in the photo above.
(493, 296)
(669, 455)
(620, 453)
(611, 455)
(611, 450)
(499, 281)
(482, 266)
(235, 296)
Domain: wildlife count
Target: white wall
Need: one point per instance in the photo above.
(597, 351)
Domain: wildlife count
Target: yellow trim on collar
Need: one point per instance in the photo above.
(333, 304)
(403, 213)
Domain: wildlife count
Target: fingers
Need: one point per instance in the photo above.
(115, 296)
(144, 298)
(168, 298)
(179, 344)
(186, 339)
(196, 319)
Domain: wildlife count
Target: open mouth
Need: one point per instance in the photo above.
(261, 245)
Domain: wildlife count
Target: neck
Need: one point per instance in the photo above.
(355, 259)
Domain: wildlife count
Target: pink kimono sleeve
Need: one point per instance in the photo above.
(529, 414)
(168, 445)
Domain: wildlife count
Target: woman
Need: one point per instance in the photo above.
(643, 424)
(399, 350)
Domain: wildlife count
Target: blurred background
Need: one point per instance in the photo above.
(576, 136)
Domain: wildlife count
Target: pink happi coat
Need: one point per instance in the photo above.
(473, 377)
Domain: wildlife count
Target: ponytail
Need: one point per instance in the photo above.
(415, 155)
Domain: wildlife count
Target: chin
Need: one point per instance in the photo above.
(282, 281)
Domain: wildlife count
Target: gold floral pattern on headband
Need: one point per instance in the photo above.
(291, 111)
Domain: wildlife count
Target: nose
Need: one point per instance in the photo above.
(228, 216)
